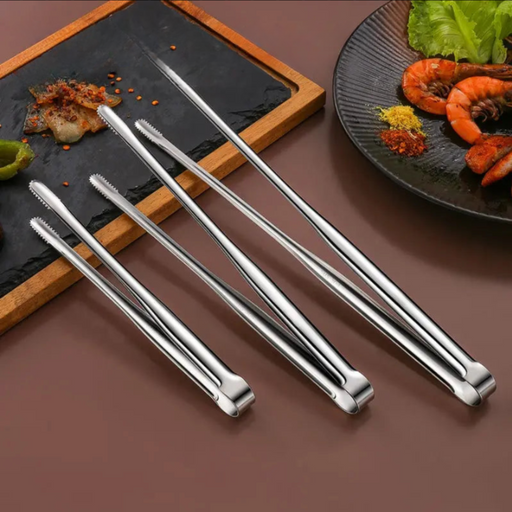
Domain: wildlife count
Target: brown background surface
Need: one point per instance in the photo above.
(93, 418)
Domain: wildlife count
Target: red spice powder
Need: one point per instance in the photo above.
(403, 142)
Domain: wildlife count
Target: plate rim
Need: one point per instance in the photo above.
(376, 163)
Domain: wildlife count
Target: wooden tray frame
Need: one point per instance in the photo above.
(307, 98)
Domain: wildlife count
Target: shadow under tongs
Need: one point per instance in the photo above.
(466, 416)
(451, 406)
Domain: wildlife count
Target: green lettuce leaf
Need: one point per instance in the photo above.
(503, 28)
(464, 29)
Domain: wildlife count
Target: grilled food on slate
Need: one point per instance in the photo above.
(68, 109)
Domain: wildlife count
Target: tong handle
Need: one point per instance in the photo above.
(280, 338)
(358, 391)
(331, 278)
(167, 321)
(233, 406)
(438, 341)
(425, 328)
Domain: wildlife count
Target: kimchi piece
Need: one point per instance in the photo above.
(68, 109)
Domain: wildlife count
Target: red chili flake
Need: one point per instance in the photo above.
(139, 98)
(111, 75)
(118, 79)
(112, 83)
(173, 47)
(154, 102)
(130, 90)
(118, 91)
(66, 148)
(65, 183)
(403, 142)
(24, 140)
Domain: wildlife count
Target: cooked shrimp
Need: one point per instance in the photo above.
(473, 98)
(499, 171)
(490, 148)
(427, 83)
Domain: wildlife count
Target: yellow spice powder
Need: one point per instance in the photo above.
(401, 117)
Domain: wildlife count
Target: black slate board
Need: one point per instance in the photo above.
(237, 89)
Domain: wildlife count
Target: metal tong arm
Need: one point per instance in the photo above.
(215, 372)
(358, 390)
(438, 341)
(280, 338)
(144, 323)
(336, 282)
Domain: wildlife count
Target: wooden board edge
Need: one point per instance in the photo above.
(59, 275)
(253, 52)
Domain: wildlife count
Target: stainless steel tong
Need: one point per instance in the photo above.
(263, 324)
(479, 383)
(356, 391)
(336, 282)
(229, 391)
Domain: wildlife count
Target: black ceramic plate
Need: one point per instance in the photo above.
(368, 74)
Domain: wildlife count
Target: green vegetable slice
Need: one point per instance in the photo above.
(14, 156)
(464, 29)
(503, 28)
(481, 15)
